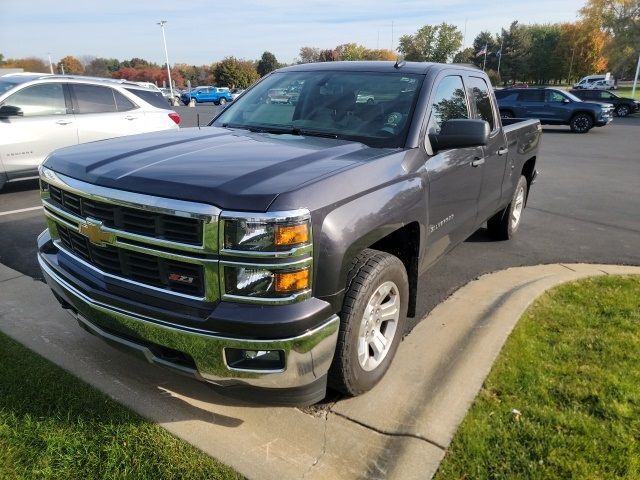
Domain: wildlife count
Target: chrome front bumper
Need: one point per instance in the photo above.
(307, 357)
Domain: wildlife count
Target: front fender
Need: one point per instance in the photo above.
(358, 224)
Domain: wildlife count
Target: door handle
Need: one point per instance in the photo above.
(130, 117)
(502, 151)
(477, 162)
(64, 122)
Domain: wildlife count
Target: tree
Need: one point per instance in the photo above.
(431, 43)
(30, 64)
(98, 68)
(351, 51)
(465, 56)
(619, 20)
(70, 65)
(516, 50)
(486, 39)
(380, 54)
(1, 59)
(234, 73)
(309, 55)
(267, 63)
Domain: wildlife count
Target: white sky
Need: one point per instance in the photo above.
(200, 31)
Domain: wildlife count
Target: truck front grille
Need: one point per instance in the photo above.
(133, 220)
(171, 275)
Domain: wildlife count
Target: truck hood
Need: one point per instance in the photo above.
(232, 169)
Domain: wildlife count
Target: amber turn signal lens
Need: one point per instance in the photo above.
(292, 234)
(292, 281)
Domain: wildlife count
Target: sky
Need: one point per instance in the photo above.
(202, 32)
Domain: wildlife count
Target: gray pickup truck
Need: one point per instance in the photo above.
(278, 250)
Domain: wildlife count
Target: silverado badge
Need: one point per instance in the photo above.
(92, 229)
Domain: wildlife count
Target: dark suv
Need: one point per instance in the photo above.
(553, 107)
(622, 106)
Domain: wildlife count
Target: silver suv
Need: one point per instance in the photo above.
(40, 113)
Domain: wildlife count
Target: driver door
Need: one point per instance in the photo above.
(558, 106)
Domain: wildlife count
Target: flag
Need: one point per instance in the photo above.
(482, 52)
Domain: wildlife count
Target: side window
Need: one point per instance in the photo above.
(37, 100)
(449, 102)
(123, 104)
(479, 92)
(531, 96)
(94, 99)
(554, 97)
(606, 95)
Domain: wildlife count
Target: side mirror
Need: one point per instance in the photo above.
(7, 111)
(566, 100)
(460, 133)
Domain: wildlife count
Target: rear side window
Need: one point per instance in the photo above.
(449, 102)
(93, 99)
(479, 92)
(123, 104)
(531, 96)
(43, 99)
(153, 98)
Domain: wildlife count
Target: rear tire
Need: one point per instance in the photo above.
(222, 101)
(504, 224)
(372, 321)
(581, 123)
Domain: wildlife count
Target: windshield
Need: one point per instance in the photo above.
(372, 108)
(7, 84)
(572, 96)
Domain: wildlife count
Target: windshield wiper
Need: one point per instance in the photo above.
(281, 130)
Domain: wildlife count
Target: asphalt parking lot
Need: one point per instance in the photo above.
(583, 208)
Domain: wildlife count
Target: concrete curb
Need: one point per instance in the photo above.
(400, 429)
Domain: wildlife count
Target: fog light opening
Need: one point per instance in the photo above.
(261, 360)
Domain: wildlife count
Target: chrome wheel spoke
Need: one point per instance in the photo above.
(378, 326)
(378, 345)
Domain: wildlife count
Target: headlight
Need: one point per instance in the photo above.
(253, 281)
(266, 258)
(253, 233)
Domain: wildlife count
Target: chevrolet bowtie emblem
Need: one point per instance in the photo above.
(92, 229)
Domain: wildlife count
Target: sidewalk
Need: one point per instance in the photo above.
(398, 430)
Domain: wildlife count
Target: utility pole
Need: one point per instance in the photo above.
(573, 52)
(635, 79)
(50, 64)
(166, 56)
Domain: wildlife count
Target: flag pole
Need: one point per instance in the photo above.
(484, 64)
(500, 57)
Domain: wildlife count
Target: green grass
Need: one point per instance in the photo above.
(54, 426)
(572, 368)
(626, 92)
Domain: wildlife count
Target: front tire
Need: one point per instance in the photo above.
(581, 123)
(504, 224)
(222, 101)
(506, 114)
(372, 321)
(623, 110)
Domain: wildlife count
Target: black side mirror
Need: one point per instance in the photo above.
(7, 111)
(460, 133)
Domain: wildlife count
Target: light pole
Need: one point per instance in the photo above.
(635, 79)
(50, 64)
(573, 52)
(166, 56)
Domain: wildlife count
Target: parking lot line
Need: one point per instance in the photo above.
(21, 210)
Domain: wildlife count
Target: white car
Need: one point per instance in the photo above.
(40, 113)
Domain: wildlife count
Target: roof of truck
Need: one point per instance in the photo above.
(374, 66)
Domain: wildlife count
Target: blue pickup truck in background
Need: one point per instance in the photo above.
(553, 107)
(217, 95)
